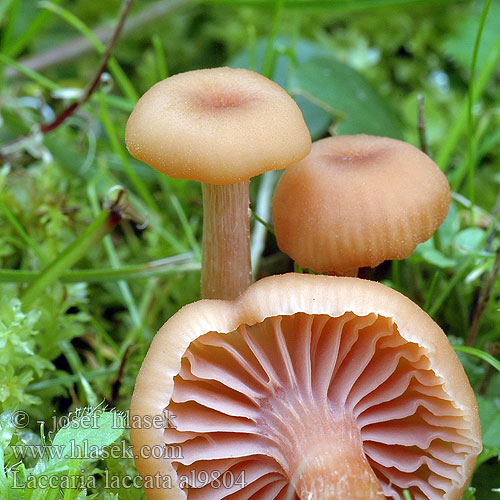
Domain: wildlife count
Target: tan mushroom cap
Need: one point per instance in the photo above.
(356, 201)
(259, 383)
(218, 126)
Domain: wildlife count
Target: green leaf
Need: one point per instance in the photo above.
(469, 240)
(89, 433)
(489, 414)
(289, 53)
(317, 119)
(433, 256)
(485, 480)
(469, 494)
(335, 86)
(325, 88)
(449, 228)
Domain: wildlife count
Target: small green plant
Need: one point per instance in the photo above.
(70, 463)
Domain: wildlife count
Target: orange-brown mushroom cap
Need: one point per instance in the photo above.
(356, 201)
(219, 126)
(299, 368)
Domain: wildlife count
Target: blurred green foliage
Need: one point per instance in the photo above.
(353, 67)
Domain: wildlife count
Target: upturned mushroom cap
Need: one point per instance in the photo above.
(218, 126)
(266, 392)
(356, 201)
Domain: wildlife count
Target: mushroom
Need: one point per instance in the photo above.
(220, 127)
(306, 386)
(356, 201)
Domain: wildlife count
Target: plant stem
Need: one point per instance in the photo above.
(349, 273)
(101, 226)
(107, 60)
(422, 131)
(91, 88)
(80, 46)
(226, 266)
(483, 301)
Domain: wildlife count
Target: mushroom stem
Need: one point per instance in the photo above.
(330, 476)
(336, 466)
(226, 264)
(350, 273)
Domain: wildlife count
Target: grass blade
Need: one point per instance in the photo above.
(160, 57)
(169, 265)
(470, 103)
(29, 73)
(30, 32)
(478, 353)
(4, 6)
(115, 262)
(102, 225)
(269, 61)
(460, 123)
(114, 67)
(344, 6)
(119, 150)
(186, 226)
(461, 271)
(69, 379)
